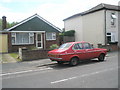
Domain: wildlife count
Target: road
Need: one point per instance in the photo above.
(88, 74)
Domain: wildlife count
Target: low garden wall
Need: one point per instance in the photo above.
(25, 54)
(110, 47)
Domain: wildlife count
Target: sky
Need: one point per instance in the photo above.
(53, 11)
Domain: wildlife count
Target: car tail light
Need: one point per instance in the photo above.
(55, 56)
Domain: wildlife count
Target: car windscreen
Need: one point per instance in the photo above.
(65, 46)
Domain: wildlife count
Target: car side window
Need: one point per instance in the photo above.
(77, 46)
(80, 45)
(87, 46)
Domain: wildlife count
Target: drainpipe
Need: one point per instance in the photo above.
(105, 28)
(119, 26)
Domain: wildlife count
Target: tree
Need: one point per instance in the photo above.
(9, 25)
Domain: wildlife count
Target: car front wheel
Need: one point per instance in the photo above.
(74, 61)
(101, 57)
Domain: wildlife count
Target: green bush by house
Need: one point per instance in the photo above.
(53, 46)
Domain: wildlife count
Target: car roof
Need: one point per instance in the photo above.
(77, 42)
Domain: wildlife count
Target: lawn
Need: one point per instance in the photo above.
(15, 56)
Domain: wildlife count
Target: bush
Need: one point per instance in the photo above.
(53, 46)
(69, 33)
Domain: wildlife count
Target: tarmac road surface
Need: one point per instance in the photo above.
(87, 74)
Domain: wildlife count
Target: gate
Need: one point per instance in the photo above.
(3, 43)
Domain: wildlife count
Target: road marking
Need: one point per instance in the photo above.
(84, 75)
(63, 80)
(25, 71)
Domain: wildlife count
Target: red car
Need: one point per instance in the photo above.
(73, 52)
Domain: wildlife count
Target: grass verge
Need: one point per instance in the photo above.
(15, 56)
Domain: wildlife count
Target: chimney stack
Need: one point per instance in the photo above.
(4, 23)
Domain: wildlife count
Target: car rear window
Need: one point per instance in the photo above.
(65, 46)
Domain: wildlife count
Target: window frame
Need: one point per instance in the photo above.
(13, 36)
(113, 19)
(111, 38)
(77, 44)
(53, 33)
(89, 46)
(22, 42)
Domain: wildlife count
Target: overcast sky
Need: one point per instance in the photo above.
(52, 10)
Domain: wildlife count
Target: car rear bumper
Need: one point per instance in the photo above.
(55, 59)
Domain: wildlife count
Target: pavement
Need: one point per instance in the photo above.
(25, 65)
(6, 58)
(28, 65)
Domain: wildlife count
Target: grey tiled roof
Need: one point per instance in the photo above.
(96, 8)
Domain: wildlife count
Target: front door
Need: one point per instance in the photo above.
(39, 40)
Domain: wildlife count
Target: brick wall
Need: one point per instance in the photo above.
(9, 43)
(46, 43)
(111, 47)
(14, 48)
(50, 42)
(32, 54)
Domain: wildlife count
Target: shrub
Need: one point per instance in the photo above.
(69, 33)
(53, 46)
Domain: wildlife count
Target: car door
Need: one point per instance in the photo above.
(89, 51)
(79, 51)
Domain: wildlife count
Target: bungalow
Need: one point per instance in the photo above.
(34, 31)
(98, 25)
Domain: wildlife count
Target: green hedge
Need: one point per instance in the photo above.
(69, 33)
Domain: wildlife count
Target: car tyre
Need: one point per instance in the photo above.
(74, 61)
(101, 57)
(59, 62)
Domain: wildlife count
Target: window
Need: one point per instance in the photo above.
(13, 38)
(111, 37)
(78, 46)
(65, 46)
(22, 38)
(108, 37)
(87, 46)
(113, 18)
(50, 36)
(31, 38)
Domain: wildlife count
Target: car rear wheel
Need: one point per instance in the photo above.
(101, 57)
(74, 61)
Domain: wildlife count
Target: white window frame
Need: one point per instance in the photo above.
(30, 35)
(113, 19)
(40, 41)
(13, 35)
(112, 36)
(114, 16)
(53, 33)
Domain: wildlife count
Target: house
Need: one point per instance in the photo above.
(98, 25)
(33, 32)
